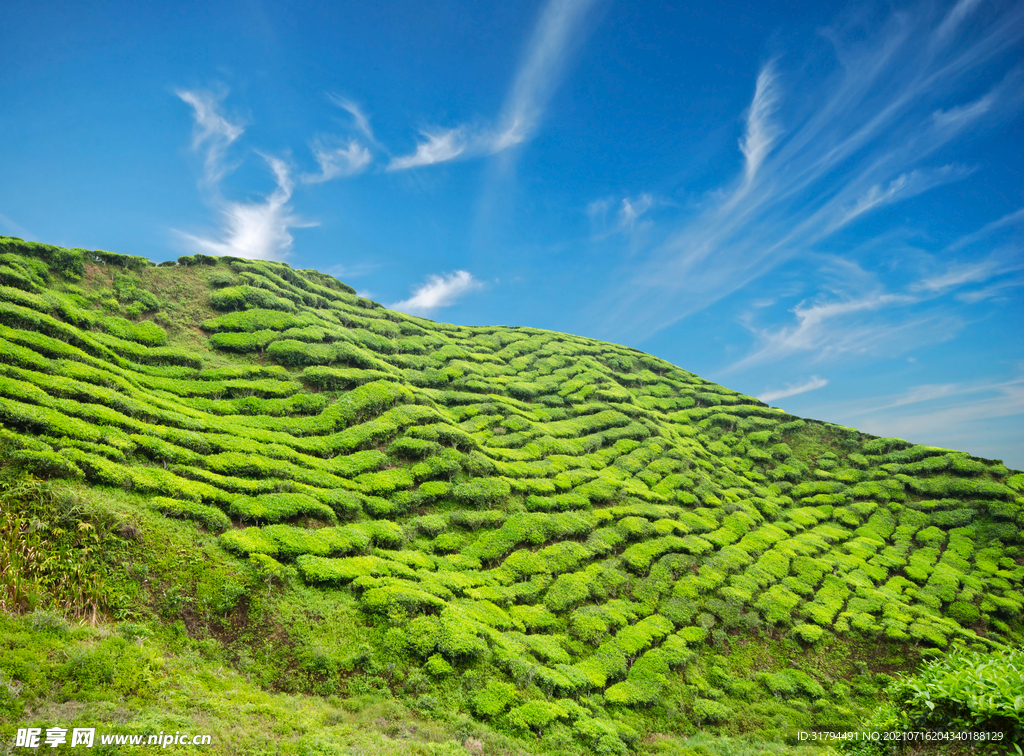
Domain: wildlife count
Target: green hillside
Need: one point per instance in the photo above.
(503, 540)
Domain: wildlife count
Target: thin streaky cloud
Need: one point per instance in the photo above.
(360, 119)
(811, 384)
(990, 292)
(962, 115)
(761, 130)
(213, 131)
(977, 416)
(904, 186)
(1010, 219)
(829, 329)
(856, 140)
(438, 292)
(540, 72)
(536, 81)
(959, 274)
(955, 18)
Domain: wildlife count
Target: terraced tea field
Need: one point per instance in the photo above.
(592, 529)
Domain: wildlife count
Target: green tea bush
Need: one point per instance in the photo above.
(535, 714)
(146, 332)
(278, 507)
(401, 597)
(210, 517)
(45, 463)
(254, 341)
(568, 591)
(494, 698)
(777, 604)
(293, 353)
(460, 634)
(246, 297)
(339, 379)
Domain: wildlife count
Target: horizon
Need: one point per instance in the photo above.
(818, 206)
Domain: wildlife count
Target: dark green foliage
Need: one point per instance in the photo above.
(964, 692)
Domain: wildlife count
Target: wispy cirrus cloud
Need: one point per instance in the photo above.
(612, 215)
(541, 71)
(538, 77)
(360, 120)
(761, 131)
(820, 152)
(854, 313)
(438, 292)
(829, 328)
(338, 160)
(213, 132)
(811, 384)
(436, 147)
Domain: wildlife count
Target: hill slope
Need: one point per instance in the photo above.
(572, 538)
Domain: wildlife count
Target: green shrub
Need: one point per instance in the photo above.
(568, 591)
(438, 667)
(494, 699)
(255, 341)
(423, 634)
(536, 714)
(210, 517)
(278, 507)
(706, 710)
(246, 297)
(293, 353)
(45, 463)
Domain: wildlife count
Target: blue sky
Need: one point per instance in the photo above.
(820, 204)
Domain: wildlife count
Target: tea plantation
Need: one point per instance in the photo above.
(529, 541)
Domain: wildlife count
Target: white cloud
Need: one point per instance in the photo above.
(829, 329)
(902, 187)
(761, 130)
(338, 161)
(540, 72)
(811, 384)
(959, 274)
(990, 292)
(955, 18)
(961, 116)
(437, 147)
(536, 81)
(212, 130)
(256, 230)
(437, 292)
(360, 119)
(632, 209)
